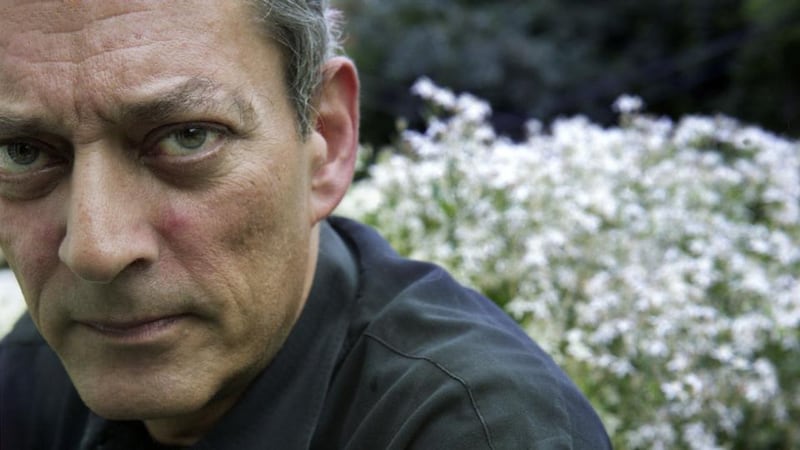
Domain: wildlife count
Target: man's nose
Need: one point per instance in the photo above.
(107, 228)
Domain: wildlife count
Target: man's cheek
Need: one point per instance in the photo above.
(31, 252)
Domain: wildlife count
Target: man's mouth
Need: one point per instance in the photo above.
(136, 330)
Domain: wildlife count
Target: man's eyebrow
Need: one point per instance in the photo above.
(195, 95)
(13, 125)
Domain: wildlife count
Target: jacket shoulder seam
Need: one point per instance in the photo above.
(449, 374)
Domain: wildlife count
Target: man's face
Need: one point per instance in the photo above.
(156, 201)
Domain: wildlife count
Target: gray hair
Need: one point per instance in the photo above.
(308, 32)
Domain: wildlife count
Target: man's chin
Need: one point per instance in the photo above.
(125, 395)
(173, 414)
(133, 404)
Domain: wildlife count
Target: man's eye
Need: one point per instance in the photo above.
(22, 157)
(188, 141)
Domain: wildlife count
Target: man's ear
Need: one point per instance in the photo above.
(337, 123)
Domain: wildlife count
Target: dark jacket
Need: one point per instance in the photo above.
(388, 354)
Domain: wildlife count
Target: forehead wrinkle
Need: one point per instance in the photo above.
(66, 17)
(73, 25)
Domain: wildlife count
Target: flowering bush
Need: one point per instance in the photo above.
(658, 262)
(11, 303)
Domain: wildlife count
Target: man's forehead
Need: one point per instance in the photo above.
(120, 59)
(101, 9)
(69, 18)
(65, 16)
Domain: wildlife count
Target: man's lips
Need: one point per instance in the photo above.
(134, 329)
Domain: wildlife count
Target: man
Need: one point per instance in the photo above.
(166, 174)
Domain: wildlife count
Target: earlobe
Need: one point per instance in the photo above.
(337, 126)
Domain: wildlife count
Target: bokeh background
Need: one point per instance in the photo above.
(623, 177)
(548, 58)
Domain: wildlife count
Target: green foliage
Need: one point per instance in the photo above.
(549, 58)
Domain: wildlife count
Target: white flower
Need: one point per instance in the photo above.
(426, 89)
(639, 256)
(628, 104)
(12, 305)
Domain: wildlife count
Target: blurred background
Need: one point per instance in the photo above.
(549, 58)
(657, 260)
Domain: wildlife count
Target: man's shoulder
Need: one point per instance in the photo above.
(444, 363)
(39, 407)
(23, 333)
(418, 311)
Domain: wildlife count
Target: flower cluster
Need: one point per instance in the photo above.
(658, 262)
(11, 303)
